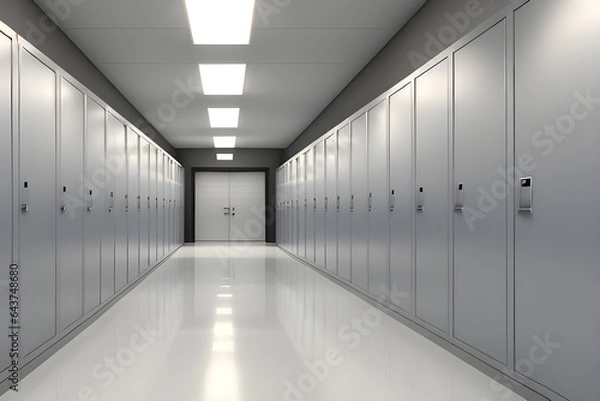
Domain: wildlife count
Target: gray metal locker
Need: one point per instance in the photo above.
(94, 186)
(6, 195)
(320, 195)
(146, 204)
(432, 195)
(70, 208)
(379, 201)
(303, 205)
(289, 215)
(331, 203)
(294, 207)
(480, 246)
(160, 185)
(359, 202)
(311, 207)
(110, 165)
(557, 235)
(37, 193)
(344, 220)
(134, 204)
(402, 199)
(117, 131)
(153, 176)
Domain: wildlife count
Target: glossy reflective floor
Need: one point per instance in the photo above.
(249, 323)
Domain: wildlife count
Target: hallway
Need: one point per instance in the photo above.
(221, 322)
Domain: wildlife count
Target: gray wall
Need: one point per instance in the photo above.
(418, 42)
(29, 21)
(191, 159)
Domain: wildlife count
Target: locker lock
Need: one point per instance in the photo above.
(63, 205)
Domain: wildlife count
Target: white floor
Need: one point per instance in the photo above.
(249, 323)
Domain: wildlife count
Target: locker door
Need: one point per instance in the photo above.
(310, 211)
(320, 195)
(160, 227)
(294, 206)
(134, 204)
(146, 205)
(344, 216)
(432, 180)
(302, 206)
(70, 211)
(117, 130)
(37, 219)
(557, 275)
(153, 205)
(402, 195)
(289, 205)
(6, 183)
(379, 201)
(331, 204)
(480, 246)
(359, 203)
(107, 274)
(94, 213)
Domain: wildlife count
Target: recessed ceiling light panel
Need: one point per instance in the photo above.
(224, 157)
(224, 118)
(224, 142)
(220, 22)
(223, 79)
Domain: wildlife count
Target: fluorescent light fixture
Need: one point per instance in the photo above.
(224, 142)
(225, 296)
(220, 22)
(224, 118)
(223, 79)
(224, 157)
(225, 286)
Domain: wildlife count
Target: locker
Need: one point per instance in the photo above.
(153, 175)
(117, 131)
(331, 204)
(401, 197)
(288, 208)
(556, 233)
(344, 221)
(6, 183)
(134, 204)
(320, 213)
(432, 195)
(294, 207)
(94, 213)
(359, 203)
(303, 205)
(146, 205)
(480, 246)
(379, 205)
(160, 185)
(37, 217)
(311, 209)
(107, 273)
(70, 210)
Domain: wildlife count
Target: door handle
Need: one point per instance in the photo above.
(25, 196)
(351, 203)
(63, 199)
(338, 203)
(460, 197)
(370, 201)
(393, 200)
(421, 199)
(90, 200)
(526, 195)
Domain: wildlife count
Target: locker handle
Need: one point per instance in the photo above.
(226, 211)
(156, 199)
(111, 202)
(149, 203)
(526, 195)
(393, 200)
(90, 200)
(338, 203)
(460, 197)
(370, 201)
(126, 203)
(233, 210)
(139, 203)
(352, 203)
(25, 196)
(421, 199)
(315, 204)
(326, 204)
(63, 199)
(297, 205)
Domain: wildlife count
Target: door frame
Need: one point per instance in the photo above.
(196, 170)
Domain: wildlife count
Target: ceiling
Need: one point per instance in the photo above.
(300, 58)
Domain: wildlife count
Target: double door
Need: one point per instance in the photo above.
(230, 206)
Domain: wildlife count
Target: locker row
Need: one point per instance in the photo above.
(88, 203)
(424, 200)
